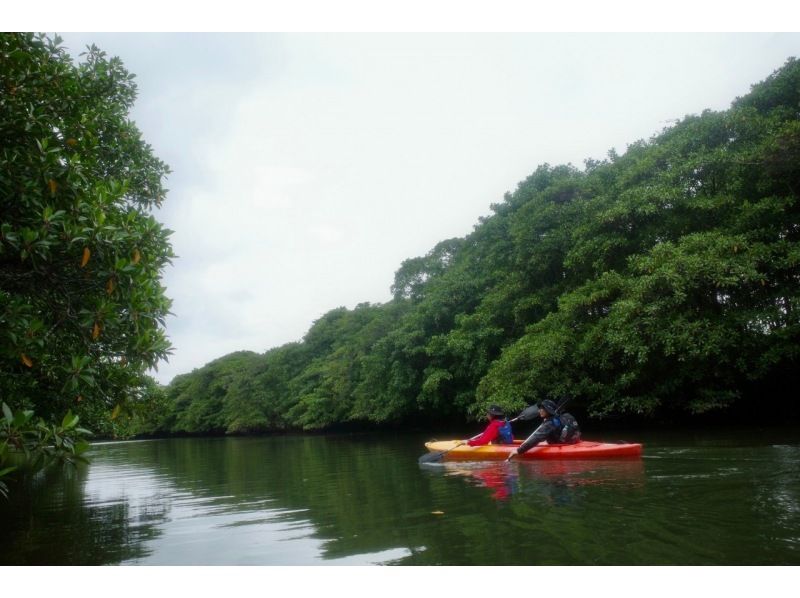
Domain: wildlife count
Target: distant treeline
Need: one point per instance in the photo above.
(659, 283)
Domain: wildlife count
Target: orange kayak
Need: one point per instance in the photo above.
(585, 449)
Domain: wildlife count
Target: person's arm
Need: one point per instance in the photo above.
(539, 434)
(489, 434)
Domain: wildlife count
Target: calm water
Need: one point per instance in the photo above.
(365, 500)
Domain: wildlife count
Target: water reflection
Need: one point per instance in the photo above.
(360, 500)
(48, 520)
(233, 503)
(502, 480)
(210, 501)
(551, 478)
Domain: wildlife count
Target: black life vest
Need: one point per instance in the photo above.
(570, 432)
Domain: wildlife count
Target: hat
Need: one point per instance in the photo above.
(496, 411)
(548, 406)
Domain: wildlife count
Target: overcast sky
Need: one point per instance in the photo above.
(307, 167)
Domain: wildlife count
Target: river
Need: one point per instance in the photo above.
(692, 499)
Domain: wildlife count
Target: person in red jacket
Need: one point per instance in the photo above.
(497, 432)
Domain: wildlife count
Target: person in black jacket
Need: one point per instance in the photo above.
(554, 429)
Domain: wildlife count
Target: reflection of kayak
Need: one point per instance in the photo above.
(585, 449)
(505, 480)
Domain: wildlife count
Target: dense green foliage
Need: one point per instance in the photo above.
(81, 305)
(663, 281)
(33, 444)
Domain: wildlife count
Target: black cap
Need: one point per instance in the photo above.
(496, 411)
(548, 406)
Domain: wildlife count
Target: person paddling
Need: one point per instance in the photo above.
(497, 432)
(555, 429)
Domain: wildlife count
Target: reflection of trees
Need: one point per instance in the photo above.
(748, 495)
(48, 521)
(361, 496)
(358, 497)
(547, 521)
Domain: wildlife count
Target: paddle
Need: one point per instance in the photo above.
(436, 457)
(527, 413)
(563, 404)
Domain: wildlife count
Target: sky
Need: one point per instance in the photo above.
(307, 167)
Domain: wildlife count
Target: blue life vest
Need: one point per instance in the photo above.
(504, 433)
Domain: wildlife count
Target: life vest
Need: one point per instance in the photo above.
(570, 431)
(504, 434)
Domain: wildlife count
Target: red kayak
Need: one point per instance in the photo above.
(452, 450)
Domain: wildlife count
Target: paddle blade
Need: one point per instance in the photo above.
(432, 457)
(439, 455)
(529, 413)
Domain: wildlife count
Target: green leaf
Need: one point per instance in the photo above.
(21, 418)
(8, 414)
(69, 420)
(81, 447)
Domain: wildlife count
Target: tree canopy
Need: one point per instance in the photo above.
(82, 307)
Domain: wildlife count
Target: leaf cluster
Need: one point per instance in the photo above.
(39, 443)
(82, 309)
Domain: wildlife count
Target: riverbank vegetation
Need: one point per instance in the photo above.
(81, 257)
(656, 284)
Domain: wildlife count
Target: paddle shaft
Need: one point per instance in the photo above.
(533, 410)
(562, 404)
